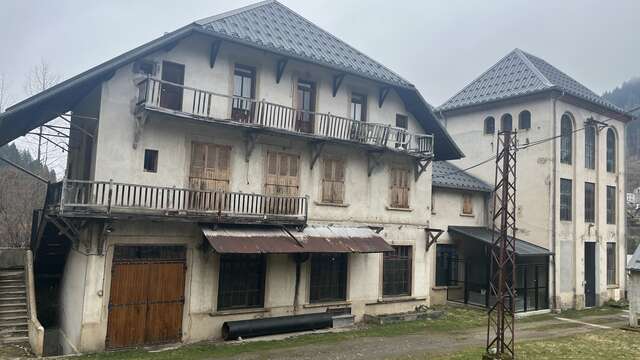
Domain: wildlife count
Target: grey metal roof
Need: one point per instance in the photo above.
(480, 233)
(447, 175)
(273, 26)
(634, 262)
(518, 74)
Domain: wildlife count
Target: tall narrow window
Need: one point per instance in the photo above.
(524, 120)
(306, 106)
(358, 107)
(489, 125)
(328, 280)
(589, 202)
(506, 122)
(173, 79)
(467, 204)
(241, 281)
(590, 147)
(210, 167)
(283, 176)
(402, 138)
(399, 188)
(244, 79)
(611, 151)
(446, 265)
(566, 201)
(612, 277)
(396, 274)
(566, 139)
(611, 204)
(333, 181)
(150, 160)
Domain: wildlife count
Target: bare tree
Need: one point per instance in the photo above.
(19, 195)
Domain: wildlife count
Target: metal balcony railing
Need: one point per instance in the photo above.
(163, 95)
(108, 198)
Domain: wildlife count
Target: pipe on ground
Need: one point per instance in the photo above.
(232, 330)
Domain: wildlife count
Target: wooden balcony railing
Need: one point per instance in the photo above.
(107, 198)
(159, 94)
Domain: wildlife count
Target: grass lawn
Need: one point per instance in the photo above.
(601, 344)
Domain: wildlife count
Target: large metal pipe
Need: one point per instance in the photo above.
(232, 330)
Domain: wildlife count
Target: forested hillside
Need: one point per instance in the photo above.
(19, 195)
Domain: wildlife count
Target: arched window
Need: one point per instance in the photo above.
(611, 151)
(524, 120)
(506, 122)
(489, 125)
(566, 139)
(590, 147)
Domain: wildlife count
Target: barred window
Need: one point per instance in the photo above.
(611, 204)
(566, 139)
(241, 281)
(446, 265)
(590, 147)
(566, 201)
(396, 275)
(589, 202)
(612, 278)
(328, 280)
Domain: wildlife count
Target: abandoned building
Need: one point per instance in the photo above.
(571, 191)
(247, 165)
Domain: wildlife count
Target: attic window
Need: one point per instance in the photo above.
(145, 67)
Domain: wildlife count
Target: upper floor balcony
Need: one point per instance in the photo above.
(112, 200)
(167, 97)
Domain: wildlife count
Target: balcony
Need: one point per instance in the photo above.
(111, 200)
(176, 99)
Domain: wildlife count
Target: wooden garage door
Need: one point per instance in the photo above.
(147, 296)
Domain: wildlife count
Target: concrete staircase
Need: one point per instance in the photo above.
(13, 307)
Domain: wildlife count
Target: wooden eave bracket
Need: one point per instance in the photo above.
(432, 236)
(337, 82)
(66, 228)
(373, 161)
(383, 95)
(316, 151)
(421, 165)
(213, 53)
(141, 120)
(280, 66)
(376, 229)
(249, 144)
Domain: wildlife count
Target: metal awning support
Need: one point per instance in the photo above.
(432, 236)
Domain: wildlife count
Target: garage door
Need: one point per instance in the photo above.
(147, 296)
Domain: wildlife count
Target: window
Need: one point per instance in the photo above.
(358, 107)
(611, 204)
(283, 177)
(333, 181)
(489, 125)
(566, 191)
(170, 94)
(506, 122)
(402, 138)
(467, 204)
(243, 93)
(399, 188)
(151, 160)
(611, 264)
(328, 279)
(446, 265)
(566, 139)
(589, 202)
(590, 147)
(524, 120)
(306, 106)
(210, 167)
(611, 151)
(241, 281)
(396, 271)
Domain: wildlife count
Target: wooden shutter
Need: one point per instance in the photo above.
(399, 188)
(467, 204)
(210, 167)
(283, 174)
(333, 181)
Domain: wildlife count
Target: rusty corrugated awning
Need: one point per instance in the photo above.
(314, 239)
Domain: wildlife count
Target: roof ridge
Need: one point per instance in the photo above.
(239, 10)
(524, 57)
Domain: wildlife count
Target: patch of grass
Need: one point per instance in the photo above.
(602, 344)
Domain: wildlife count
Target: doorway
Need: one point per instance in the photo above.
(589, 274)
(171, 95)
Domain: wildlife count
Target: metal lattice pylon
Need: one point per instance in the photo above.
(501, 323)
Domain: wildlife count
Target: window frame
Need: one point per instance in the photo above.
(221, 179)
(396, 191)
(612, 264)
(589, 202)
(503, 120)
(612, 151)
(611, 204)
(522, 119)
(446, 252)
(281, 179)
(489, 125)
(590, 141)
(154, 161)
(394, 263)
(467, 198)
(363, 106)
(339, 282)
(260, 265)
(566, 139)
(566, 200)
(333, 182)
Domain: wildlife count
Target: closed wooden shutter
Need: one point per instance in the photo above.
(399, 188)
(467, 204)
(210, 167)
(333, 181)
(283, 174)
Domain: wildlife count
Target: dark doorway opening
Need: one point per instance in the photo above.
(589, 274)
(171, 95)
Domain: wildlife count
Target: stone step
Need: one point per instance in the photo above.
(14, 339)
(14, 299)
(15, 323)
(13, 293)
(8, 313)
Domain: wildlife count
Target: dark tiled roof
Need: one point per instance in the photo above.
(634, 263)
(480, 233)
(447, 175)
(273, 26)
(517, 74)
